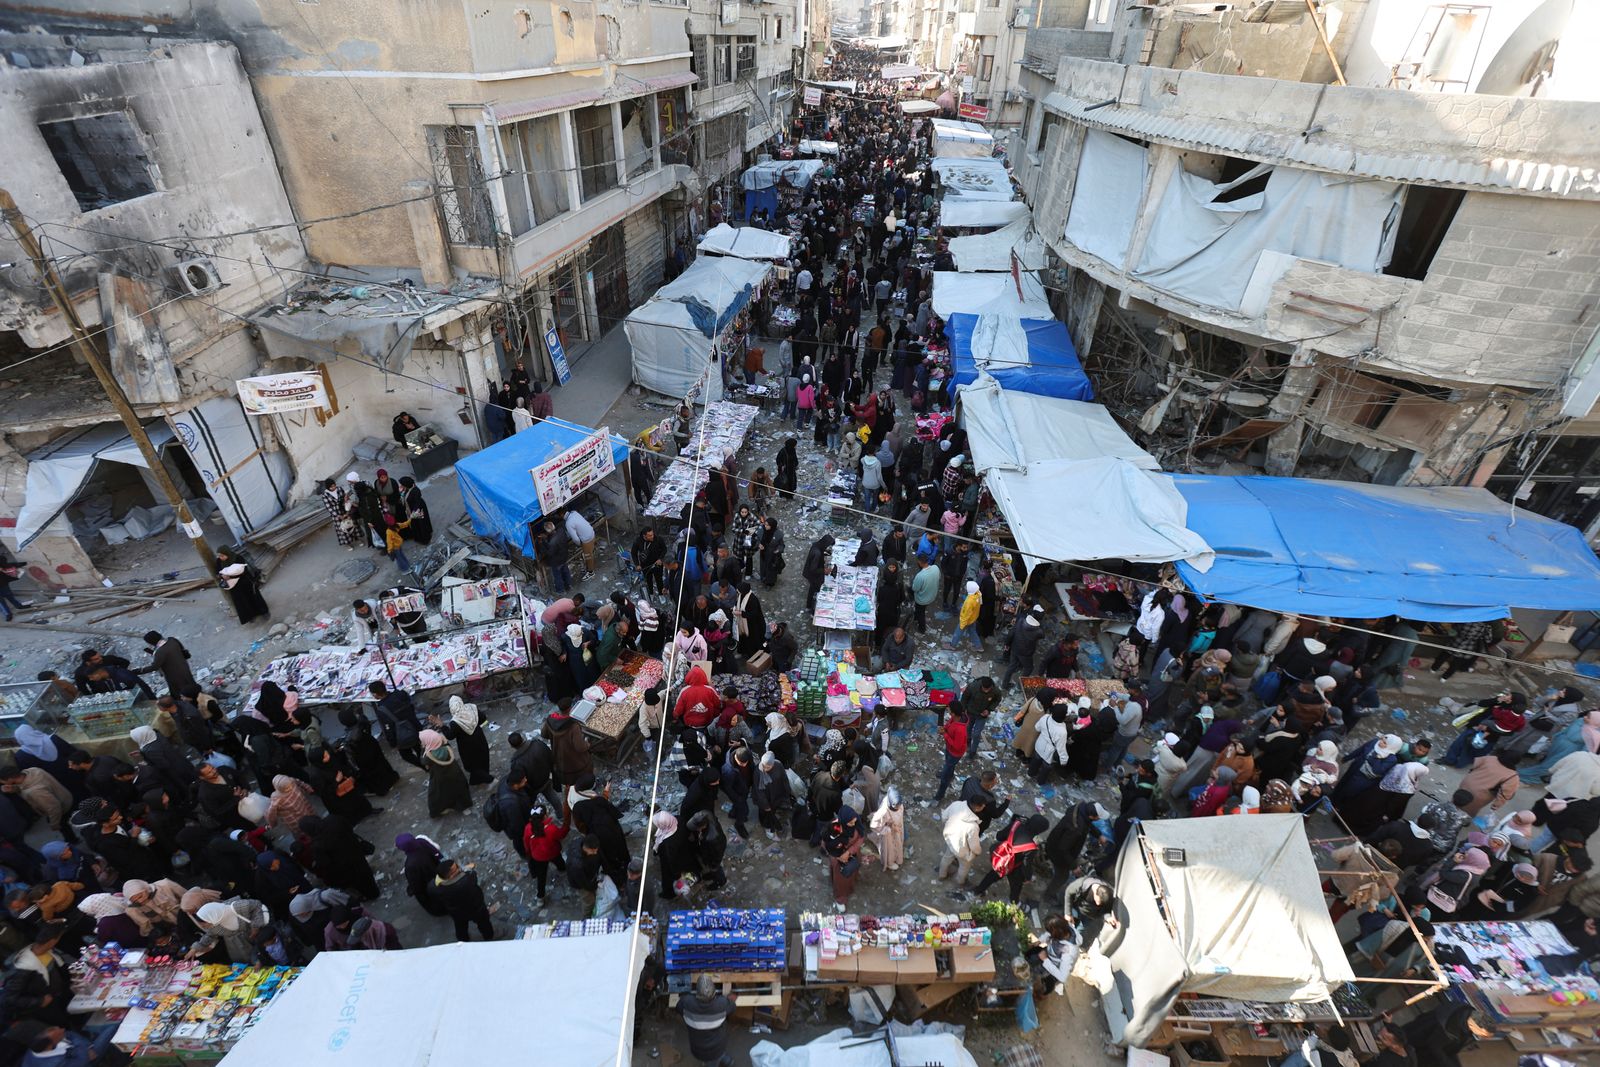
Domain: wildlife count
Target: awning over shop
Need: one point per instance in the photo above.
(1344, 549)
(1225, 907)
(673, 334)
(919, 107)
(841, 86)
(975, 179)
(746, 242)
(1026, 355)
(818, 148)
(954, 138)
(992, 251)
(57, 471)
(497, 482)
(988, 294)
(1011, 430)
(797, 172)
(896, 71)
(957, 212)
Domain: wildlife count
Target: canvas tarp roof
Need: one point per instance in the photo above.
(797, 172)
(1026, 355)
(1349, 550)
(58, 470)
(672, 335)
(363, 1007)
(918, 107)
(975, 179)
(992, 251)
(988, 294)
(1245, 919)
(844, 1048)
(818, 148)
(746, 242)
(953, 138)
(956, 212)
(1010, 430)
(497, 482)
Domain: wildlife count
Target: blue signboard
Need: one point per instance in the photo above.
(558, 355)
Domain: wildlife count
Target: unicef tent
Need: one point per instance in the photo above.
(497, 482)
(1024, 355)
(674, 335)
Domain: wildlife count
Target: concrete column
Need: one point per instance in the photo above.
(569, 147)
(427, 235)
(655, 131)
(1283, 447)
(616, 142)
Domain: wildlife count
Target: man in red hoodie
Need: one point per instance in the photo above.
(698, 704)
(955, 746)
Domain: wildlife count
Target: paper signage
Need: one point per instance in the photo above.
(558, 480)
(273, 393)
(813, 96)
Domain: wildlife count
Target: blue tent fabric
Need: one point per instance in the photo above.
(497, 486)
(1442, 554)
(1053, 368)
(705, 317)
(757, 199)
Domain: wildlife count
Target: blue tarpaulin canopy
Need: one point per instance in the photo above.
(1024, 355)
(497, 483)
(1446, 554)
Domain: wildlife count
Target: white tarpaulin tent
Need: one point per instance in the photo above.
(895, 71)
(918, 107)
(358, 1008)
(674, 333)
(1036, 451)
(1241, 916)
(955, 139)
(797, 172)
(956, 212)
(1107, 195)
(988, 294)
(818, 148)
(844, 1048)
(975, 179)
(746, 242)
(992, 251)
(843, 86)
(57, 471)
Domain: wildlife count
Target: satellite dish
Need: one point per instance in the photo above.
(1527, 52)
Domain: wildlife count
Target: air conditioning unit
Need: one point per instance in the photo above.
(197, 277)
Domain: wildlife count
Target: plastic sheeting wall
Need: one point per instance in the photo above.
(250, 485)
(1107, 195)
(1205, 251)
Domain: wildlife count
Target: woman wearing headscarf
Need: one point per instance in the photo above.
(420, 868)
(1207, 799)
(365, 756)
(1237, 756)
(841, 844)
(278, 879)
(352, 928)
(788, 467)
(1323, 761)
(1013, 853)
(749, 620)
(1367, 767)
(151, 904)
(710, 844)
(339, 855)
(36, 748)
(1582, 734)
(111, 920)
(245, 592)
(1276, 798)
(579, 650)
(1493, 782)
(448, 789)
(1368, 810)
(290, 804)
(337, 784)
(465, 728)
(230, 924)
(1459, 880)
(674, 853)
(888, 830)
(61, 863)
(1505, 895)
(421, 528)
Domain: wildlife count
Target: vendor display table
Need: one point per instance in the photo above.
(721, 429)
(612, 726)
(848, 599)
(430, 462)
(1522, 980)
(930, 958)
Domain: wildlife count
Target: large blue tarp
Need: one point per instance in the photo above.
(1447, 554)
(1052, 367)
(497, 482)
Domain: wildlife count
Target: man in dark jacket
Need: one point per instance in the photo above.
(648, 552)
(773, 797)
(398, 717)
(1025, 638)
(168, 656)
(705, 1015)
(512, 799)
(594, 815)
(458, 892)
(979, 698)
(37, 985)
(891, 595)
(532, 756)
(818, 560)
(1066, 842)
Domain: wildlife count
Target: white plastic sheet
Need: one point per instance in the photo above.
(843, 1048)
(1011, 430)
(1107, 195)
(818, 148)
(956, 212)
(746, 242)
(955, 139)
(1206, 252)
(975, 179)
(989, 294)
(670, 352)
(57, 471)
(992, 251)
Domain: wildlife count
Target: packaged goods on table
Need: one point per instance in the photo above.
(726, 939)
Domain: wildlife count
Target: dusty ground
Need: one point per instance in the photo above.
(761, 872)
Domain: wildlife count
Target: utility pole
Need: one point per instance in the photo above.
(91, 355)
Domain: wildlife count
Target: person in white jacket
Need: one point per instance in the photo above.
(1169, 765)
(1050, 750)
(963, 845)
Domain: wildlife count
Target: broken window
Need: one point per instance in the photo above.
(744, 57)
(102, 157)
(1425, 218)
(597, 150)
(535, 182)
(463, 191)
(638, 135)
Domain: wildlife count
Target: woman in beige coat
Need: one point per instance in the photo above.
(1027, 720)
(888, 834)
(40, 789)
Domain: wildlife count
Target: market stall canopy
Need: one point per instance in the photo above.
(988, 294)
(958, 212)
(918, 107)
(362, 1007)
(1349, 550)
(1240, 914)
(896, 71)
(1026, 355)
(674, 333)
(975, 179)
(954, 138)
(746, 242)
(992, 251)
(57, 471)
(497, 482)
(1011, 430)
(841, 86)
(818, 148)
(884, 44)
(797, 172)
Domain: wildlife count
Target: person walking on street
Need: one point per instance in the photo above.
(955, 747)
(457, 890)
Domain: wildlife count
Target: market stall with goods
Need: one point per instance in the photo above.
(609, 709)
(849, 595)
(719, 430)
(686, 334)
(974, 179)
(833, 685)
(762, 182)
(1525, 982)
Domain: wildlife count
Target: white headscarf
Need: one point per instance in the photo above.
(219, 914)
(36, 743)
(142, 735)
(100, 905)
(464, 715)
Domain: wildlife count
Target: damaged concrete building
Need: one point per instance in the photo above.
(1351, 239)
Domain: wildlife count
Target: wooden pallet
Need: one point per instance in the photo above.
(751, 989)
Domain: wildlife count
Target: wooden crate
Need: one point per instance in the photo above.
(751, 989)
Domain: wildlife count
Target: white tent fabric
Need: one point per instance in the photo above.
(363, 1007)
(955, 212)
(953, 138)
(746, 242)
(819, 148)
(1206, 251)
(989, 294)
(797, 172)
(842, 86)
(975, 179)
(670, 352)
(896, 71)
(1247, 911)
(57, 471)
(1135, 515)
(1009, 430)
(992, 251)
(1106, 197)
(844, 1048)
(918, 107)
